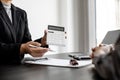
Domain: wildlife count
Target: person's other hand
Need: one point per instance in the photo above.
(101, 50)
(43, 40)
(33, 51)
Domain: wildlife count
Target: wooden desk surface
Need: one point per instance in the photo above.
(38, 72)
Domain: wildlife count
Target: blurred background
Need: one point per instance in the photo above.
(86, 21)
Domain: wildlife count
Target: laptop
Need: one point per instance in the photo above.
(111, 37)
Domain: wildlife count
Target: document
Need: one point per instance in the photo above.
(56, 35)
(58, 62)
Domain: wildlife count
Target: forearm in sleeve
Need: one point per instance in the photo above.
(10, 53)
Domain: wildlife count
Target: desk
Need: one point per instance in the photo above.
(38, 72)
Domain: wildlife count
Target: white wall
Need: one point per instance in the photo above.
(40, 14)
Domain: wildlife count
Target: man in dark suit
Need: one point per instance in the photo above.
(106, 59)
(15, 39)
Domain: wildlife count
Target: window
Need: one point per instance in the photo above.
(118, 12)
(107, 17)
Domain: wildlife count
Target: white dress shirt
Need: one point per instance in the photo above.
(8, 10)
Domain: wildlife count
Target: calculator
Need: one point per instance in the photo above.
(56, 35)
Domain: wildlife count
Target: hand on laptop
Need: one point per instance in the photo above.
(102, 49)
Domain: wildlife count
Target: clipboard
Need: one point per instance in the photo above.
(59, 63)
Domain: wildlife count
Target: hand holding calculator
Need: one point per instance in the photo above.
(56, 35)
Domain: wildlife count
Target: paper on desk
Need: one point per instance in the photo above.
(60, 62)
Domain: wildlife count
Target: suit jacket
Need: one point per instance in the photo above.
(12, 35)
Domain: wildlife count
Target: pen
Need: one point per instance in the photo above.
(35, 59)
(40, 59)
(32, 46)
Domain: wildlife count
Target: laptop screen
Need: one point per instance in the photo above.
(111, 37)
